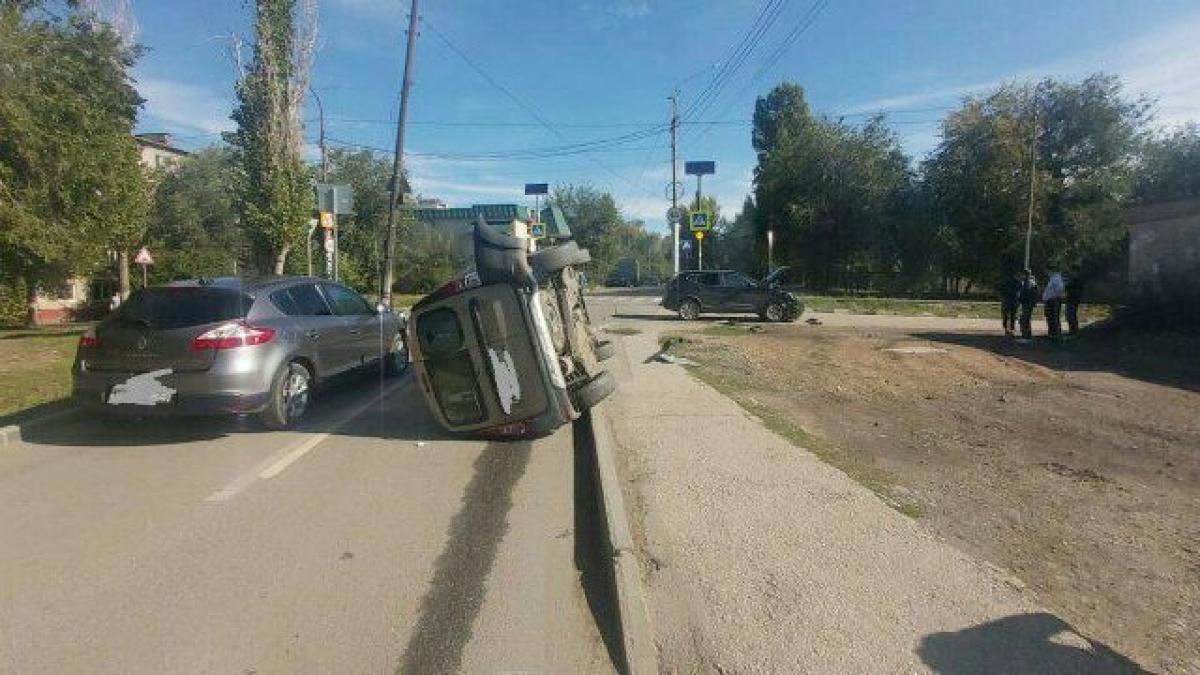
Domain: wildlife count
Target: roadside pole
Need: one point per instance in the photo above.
(389, 252)
(1032, 178)
(704, 223)
(770, 251)
(674, 184)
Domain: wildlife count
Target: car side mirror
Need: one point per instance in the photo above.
(382, 309)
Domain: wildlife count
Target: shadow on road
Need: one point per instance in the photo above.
(592, 558)
(1030, 644)
(1157, 357)
(457, 591)
(705, 318)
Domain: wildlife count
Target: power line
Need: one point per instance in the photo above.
(763, 23)
(549, 126)
(806, 21)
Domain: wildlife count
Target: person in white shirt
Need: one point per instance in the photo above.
(1052, 298)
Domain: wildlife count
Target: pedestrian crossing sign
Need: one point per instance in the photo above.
(700, 221)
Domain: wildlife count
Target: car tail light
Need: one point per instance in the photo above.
(451, 288)
(230, 335)
(89, 339)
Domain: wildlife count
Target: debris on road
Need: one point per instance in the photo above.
(664, 357)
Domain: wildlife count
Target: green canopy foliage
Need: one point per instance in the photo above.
(71, 188)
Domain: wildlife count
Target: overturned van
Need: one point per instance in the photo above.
(508, 350)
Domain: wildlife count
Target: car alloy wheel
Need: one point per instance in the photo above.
(775, 312)
(296, 392)
(689, 310)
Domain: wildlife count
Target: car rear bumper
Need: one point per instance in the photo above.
(200, 393)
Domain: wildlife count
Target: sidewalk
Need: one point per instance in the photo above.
(759, 558)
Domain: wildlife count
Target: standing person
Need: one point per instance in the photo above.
(1010, 289)
(1027, 295)
(1053, 298)
(1074, 297)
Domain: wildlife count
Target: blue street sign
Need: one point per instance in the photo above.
(537, 188)
(699, 168)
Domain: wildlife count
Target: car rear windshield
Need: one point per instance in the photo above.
(179, 307)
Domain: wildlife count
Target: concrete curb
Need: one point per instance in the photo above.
(637, 637)
(11, 434)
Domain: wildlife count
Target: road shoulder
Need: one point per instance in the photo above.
(761, 558)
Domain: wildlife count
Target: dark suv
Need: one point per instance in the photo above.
(691, 293)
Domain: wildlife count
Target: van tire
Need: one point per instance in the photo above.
(592, 392)
(604, 350)
(550, 260)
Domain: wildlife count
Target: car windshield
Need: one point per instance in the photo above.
(167, 308)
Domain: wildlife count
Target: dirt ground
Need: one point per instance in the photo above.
(1075, 466)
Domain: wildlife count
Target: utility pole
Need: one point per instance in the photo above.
(385, 290)
(1032, 178)
(700, 239)
(674, 183)
(324, 179)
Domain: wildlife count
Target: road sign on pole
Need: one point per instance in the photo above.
(674, 214)
(327, 220)
(144, 259)
(700, 168)
(335, 198)
(700, 221)
(537, 188)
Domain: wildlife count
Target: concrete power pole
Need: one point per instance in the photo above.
(1032, 183)
(674, 184)
(385, 289)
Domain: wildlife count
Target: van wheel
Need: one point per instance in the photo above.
(689, 310)
(396, 359)
(550, 260)
(290, 397)
(604, 350)
(595, 390)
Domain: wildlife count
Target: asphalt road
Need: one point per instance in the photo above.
(365, 542)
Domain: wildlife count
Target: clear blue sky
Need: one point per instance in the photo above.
(598, 69)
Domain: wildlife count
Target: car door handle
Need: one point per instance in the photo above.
(314, 334)
(354, 331)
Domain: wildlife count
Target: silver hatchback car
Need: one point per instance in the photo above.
(230, 345)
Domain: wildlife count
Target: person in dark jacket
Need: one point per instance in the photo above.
(1028, 297)
(1010, 288)
(1074, 297)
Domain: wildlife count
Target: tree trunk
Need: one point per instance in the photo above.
(30, 301)
(123, 274)
(280, 259)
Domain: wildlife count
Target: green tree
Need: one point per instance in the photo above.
(276, 189)
(825, 188)
(360, 235)
(1170, 166)
(194, 225)
(596, 223)
(70, 185)
(1085, 135)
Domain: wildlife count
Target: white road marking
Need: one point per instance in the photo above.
(277, 462)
